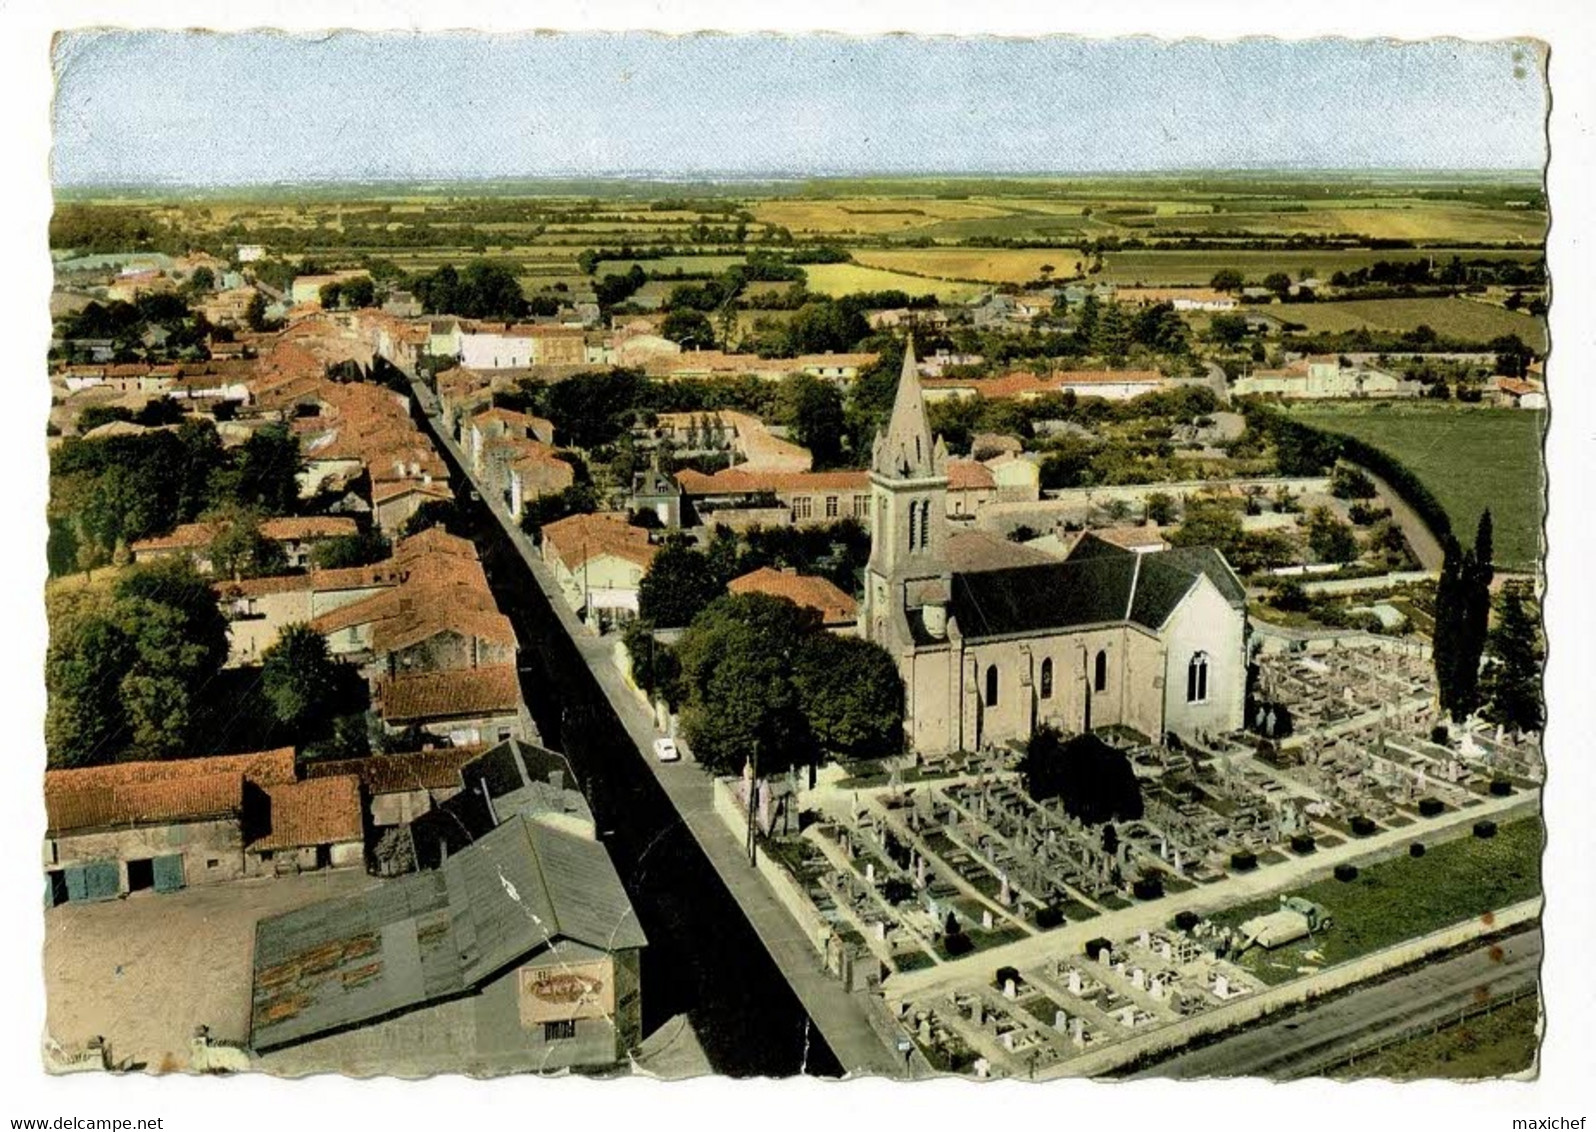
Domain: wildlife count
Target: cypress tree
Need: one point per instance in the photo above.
(1475, 619)
(1513, 679)
(1447, 623)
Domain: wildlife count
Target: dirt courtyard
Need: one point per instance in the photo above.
(145, 970)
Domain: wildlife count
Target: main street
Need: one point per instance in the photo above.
(721, 946)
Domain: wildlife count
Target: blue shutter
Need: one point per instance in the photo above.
(169, 873)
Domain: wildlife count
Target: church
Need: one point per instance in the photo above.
(994, 640)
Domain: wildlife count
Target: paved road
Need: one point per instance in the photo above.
(1309, 1042)
(854, 1027)
(1426, 547)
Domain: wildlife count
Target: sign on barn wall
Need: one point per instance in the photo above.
(567, 991)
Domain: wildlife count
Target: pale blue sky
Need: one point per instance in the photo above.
(201, 109)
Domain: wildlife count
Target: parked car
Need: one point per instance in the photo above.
(665, 750)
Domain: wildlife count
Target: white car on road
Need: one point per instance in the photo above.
(665, 750)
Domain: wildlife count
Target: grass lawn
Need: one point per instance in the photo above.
(1405, 897)
(1452, 318)
(1470, 458)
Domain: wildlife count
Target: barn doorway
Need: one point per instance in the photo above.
(141, 875)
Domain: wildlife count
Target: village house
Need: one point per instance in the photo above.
(307, 288)
(395, 502)
(520, 953)
(658, 494)
(799, 498)
(522, 471)
(1181, 298)
(296, 535)
(1516, 393)
(599, 562)
(162, 826)
(1153, 642)
(691, 364)
(462, 706)
(1113, 385)
(839, 612)
(1324, 377)
(744, 435)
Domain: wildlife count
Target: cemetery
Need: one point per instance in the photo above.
(1255, 858)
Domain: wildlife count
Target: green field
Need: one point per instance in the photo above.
(1457, 319)
(1403, 898)
(1471, 458)
(1177, 268)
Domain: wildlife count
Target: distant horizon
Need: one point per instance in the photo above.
(784, 177)
(168, 109)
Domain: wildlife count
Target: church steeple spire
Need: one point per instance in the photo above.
(907, 449)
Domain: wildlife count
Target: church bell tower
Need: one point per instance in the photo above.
(907, 579)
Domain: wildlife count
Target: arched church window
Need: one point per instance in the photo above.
(991, 685)
(1047, 678)
(1100, 672)
(913, 511)
(1197, 679)
(925, 524)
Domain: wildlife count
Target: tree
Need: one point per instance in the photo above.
(1160, 508)
(1329, 538)
(434, 513)
(1513, 673)
(1278, 282)
(851, 694)
(1227, 279)
(178, 641)
(359, 549)
(689, 328)
(741, 702)
(239, 550)
(1347, 482)
(268, 471)
(1475, 612)
(678, 586)
(1095, 782)
(1209, 522)
(255, 312)
(85, 722)
(360, 293)
(202, 281)
(818, 419)
(300, 679)
(1227, 330)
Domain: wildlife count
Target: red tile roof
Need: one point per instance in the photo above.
(401, 774)
(174, 790)
(318, 811)
(580, 538)
(735, 481)
(457, 694)
(968, 475)
(834, 606)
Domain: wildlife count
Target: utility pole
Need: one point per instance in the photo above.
(753, 795)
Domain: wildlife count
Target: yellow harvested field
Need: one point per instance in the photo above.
(849, 278)
(988, 265)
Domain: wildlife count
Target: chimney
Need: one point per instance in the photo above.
(557, 779)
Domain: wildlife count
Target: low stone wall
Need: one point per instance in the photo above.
(773, 873)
